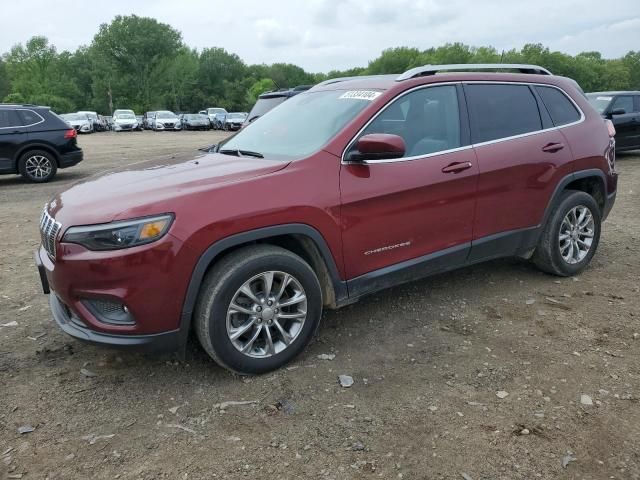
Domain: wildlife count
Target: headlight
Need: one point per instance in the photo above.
(117, 235)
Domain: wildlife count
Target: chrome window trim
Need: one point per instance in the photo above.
(343, 161)
(25, 126)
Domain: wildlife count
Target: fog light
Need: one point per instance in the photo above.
(112, 312)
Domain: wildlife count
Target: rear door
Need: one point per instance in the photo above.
(626, 125)
(12, 136)
(521, 157)
(398, 210)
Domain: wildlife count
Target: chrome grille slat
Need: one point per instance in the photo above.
(49, 229)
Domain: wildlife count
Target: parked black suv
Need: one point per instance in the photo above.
(269, 100)
(35, 142)
(623, 109)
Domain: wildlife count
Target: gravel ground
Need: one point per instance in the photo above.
(491, 372)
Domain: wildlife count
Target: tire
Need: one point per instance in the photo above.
(548, 255)
(221, 287)
(37, 166)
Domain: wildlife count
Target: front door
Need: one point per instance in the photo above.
(406, 212)
(621, 112)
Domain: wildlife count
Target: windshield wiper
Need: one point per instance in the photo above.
(241, 153)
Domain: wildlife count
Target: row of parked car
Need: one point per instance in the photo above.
(127, 120)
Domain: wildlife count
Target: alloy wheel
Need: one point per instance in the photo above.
(576, 234)
(266, 314)
(38, 167)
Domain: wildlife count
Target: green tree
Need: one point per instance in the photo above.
(130, 50)
(258, 87)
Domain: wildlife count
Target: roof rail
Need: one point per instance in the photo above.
(433, 69)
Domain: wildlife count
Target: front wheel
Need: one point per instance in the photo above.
(571, 236)
(258, 309)
(37, 166)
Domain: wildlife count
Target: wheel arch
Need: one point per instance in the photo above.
(301, 239)
(36, 146)
(591, 181)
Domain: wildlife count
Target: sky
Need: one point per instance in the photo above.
(322, 35)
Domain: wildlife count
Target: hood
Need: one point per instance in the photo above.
(125, 120)
(167, 120)
(78, 123)
(152, 187)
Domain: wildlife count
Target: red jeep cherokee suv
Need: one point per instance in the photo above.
(353, 186)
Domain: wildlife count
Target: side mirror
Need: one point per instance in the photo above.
(618, 111)
(379, 146)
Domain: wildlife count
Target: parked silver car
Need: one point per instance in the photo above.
(166, 120)
(81, 122)
(217, 116)
(124, 120)
(234, 120)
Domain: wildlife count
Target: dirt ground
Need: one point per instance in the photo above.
(428, 360)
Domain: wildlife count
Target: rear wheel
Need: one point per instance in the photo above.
(571, 236)
(258, 308)
(37, 166)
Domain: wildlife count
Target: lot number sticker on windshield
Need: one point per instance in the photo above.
(604, 98)
(369, 95)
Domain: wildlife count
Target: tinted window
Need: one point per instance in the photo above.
(500, 111)
(427, 119)
(625, 102)
(599, 102)
(560, 108)
(8, 118)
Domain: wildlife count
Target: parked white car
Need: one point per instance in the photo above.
(166, 120)
(124, 120)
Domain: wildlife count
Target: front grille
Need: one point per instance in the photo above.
(170, 125)
(49, 229)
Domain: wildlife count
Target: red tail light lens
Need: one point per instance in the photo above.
(71, 133)
(610, 128)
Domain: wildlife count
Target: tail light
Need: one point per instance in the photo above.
(610, 128)
(71, 133)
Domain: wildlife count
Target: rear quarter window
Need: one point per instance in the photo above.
(501, 111)
(29, 117)
(560, 108)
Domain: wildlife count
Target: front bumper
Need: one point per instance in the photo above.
(72, 325)
(70, 159)
(161, 126)
(150, 280)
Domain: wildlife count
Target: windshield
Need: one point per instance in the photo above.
(299, 127)
(217, 111)
(74, 116)
(165, 115)
(263, 105)
(126, 116)
(599, 102)
(235, 115)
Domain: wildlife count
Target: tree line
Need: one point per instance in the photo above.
(140, 63)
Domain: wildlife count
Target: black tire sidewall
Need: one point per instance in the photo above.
(571, 201)
(217, 314)
(23, 170)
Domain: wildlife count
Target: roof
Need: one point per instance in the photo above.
(14, 105)
(618, 92)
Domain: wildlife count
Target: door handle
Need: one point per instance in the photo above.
(456, 167)
(553, 147)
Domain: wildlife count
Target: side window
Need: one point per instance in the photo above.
(500, 111)
(637, 105)
(28, 117)
(427, 119)
(625, 102)
(8, 118)
(560, 108)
